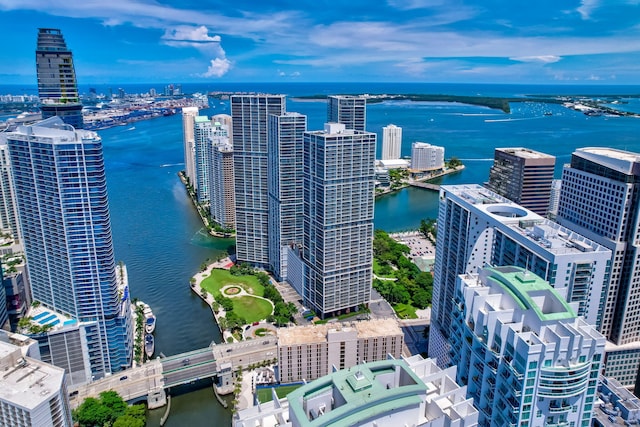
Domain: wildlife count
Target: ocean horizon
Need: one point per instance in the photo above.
(326, 88)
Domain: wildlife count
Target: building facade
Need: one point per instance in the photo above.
(526, 357)
(32, 393)
(477, 227)
(221, 177)
(310, 352)
(8, 211)
(600, 198)
(57, 85)
(285, 187)
(339, 182)
(410, 392)
(426, 157)
(349, 110)
(189, 115)
(524, 176)
(391, 142)
(61, 190)
(202, 133)
(250, 115)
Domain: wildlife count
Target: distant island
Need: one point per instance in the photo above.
(588, 104)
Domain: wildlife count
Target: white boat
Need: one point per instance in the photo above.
(149, 345)
(150, 324)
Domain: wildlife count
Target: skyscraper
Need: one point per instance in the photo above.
(285, 187)
(202, 132)
(221, 181)
(600, 198)
(391, 142)
(250, 152)
(61, 191)
(349, 110)
(524, 176)
(8, 213)
(338, 218)
(477, 227)
(526, 357)
(57, 85)
(188, 139)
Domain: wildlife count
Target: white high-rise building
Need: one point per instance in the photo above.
(188, 138)
(600, 198)
(339, 185)
(221, 176)
(202, 133)
(406, 392)
(391, 142)
(286, 190)
(554, 199)
(32, 393)
(526, 357)
(426, 157)
(8, 206)
(250, 115)
(477, 227)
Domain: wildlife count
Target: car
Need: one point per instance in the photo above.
(265, 342)
(229, 350)
(186, 361)
(124, 377)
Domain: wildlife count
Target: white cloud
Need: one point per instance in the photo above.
(545, 59)
(184, 33)
(218, 68)
(587, 7)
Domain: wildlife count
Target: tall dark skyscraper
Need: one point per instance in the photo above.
(57, 85)
(250, 151)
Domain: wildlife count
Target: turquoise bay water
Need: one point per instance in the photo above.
(158, 234)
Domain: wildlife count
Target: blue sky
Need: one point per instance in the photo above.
(488, 41)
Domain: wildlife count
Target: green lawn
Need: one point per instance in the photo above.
(220, 278)
(405, 311)
(382, 271)
(264, 394)
(252, 309)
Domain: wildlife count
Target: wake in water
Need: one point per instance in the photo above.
(512, 120)
(473, 114)
(478, 160)
(166, 165)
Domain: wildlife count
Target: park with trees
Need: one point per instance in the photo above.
(397, 278)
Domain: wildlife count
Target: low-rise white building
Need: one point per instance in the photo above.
(32, 393)
(309, 352)
(526, 357)
(426, 157)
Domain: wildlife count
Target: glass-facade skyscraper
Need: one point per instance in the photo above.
(61, 190)
(250, 115)
(57, 85)
(285, 187)
(338, 218)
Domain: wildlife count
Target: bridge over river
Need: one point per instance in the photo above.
(150, 380)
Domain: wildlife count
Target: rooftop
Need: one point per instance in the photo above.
(54, 129)
(525, 153)
(530, 292)
(318, 333)
(26, 382)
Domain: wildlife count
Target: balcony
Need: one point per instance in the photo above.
(557, 409)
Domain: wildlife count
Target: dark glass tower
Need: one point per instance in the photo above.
(57, 85)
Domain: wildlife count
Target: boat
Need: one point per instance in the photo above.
(150, 324)
(149, 345)
(132, 128)
(548, 113)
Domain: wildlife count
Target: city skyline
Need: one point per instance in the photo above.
(584, 41)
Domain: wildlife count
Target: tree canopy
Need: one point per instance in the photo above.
(109, 410)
